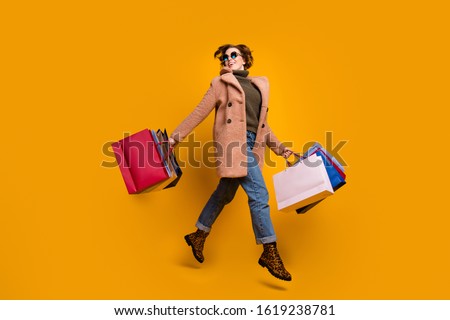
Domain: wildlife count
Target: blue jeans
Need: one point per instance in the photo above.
(258, 199)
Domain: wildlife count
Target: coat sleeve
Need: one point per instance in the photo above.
(270, 138)
(202, 110)
(273, 143)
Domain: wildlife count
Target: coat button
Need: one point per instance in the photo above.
(230, 104)
(263, 125)
(229, 121)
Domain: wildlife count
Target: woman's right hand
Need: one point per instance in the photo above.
(287, 153)
(172, 142)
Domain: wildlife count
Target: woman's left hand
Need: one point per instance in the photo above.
(172, 142)
(287, 153)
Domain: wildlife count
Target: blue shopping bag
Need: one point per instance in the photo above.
(316, 147)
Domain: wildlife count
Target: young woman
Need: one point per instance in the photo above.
(240, 132)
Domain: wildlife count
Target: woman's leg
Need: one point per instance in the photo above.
(224, 194)
(258, 197)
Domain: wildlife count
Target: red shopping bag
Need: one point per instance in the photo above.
(140, 162)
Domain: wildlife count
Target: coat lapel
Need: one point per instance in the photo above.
(226, 74)
(261, 84)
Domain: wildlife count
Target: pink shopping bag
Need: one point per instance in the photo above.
(140, 162)
(303, 184)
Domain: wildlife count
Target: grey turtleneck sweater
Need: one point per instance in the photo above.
(252, 99)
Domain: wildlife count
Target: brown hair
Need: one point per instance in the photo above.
(245, 52)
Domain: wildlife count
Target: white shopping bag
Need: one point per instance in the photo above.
(302, 184)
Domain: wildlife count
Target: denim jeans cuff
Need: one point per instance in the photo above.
(202, 227)
(266, 239)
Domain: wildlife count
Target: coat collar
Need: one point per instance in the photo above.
(226, 74)
(225, 70)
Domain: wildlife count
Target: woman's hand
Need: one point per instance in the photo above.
(287, 153)
(172, 142)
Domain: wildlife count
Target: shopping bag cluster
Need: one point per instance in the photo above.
(316, 176)
(146, 161)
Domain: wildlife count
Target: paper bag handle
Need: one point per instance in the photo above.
(290, 164)
(170, 149)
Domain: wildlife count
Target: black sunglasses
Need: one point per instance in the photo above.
(233, 55)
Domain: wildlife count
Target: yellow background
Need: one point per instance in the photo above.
(76, 75)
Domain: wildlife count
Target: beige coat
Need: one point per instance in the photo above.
(226, 96)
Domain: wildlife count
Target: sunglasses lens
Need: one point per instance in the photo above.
(233, 55)
(225, 57)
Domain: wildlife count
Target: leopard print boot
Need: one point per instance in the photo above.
(196, 240)
(271, 260)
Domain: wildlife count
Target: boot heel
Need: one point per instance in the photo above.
(261, 263)
(188, 241)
